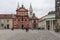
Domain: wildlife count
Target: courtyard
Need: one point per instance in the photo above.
(19, 34)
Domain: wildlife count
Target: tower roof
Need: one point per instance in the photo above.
(30, 8)
(18, 6)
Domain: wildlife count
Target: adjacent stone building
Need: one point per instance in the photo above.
(6, 21)
(48, 21)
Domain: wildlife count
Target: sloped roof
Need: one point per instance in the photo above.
(40, 19)
(6, 16)
(49, 15)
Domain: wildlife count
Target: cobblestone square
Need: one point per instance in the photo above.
(31, 35)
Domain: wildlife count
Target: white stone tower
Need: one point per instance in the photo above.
(30, 11)
(18, 6)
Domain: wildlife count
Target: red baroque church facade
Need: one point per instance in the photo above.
(23, 18)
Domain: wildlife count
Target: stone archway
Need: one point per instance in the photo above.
(48, 25)
(22, 26)
(34, 26)
(7, 26)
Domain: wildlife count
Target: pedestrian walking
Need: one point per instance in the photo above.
(12, 28)
(27, 29)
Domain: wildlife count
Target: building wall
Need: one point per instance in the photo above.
(57, 9)
(42, 24)
(22, 19)
(19, 20)
(47, 24)
(5, 22)
(58, 20)
(48, 21)
(50, 24)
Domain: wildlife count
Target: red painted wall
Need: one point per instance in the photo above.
(22, 19)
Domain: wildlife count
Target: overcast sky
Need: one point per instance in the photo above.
(40, 7)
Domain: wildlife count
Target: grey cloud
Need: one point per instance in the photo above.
(40, 6)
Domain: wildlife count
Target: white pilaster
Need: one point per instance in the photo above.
(45, 26)
(52, 25)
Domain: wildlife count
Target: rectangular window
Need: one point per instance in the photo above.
(2, 25)
(22, 18)
(14, 19)
(25, 19)
(18, 19)
(7, 21)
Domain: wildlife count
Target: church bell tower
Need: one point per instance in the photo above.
(30, 11)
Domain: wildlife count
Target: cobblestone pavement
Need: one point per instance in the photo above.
(23, 35)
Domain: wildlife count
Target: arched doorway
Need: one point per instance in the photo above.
(34, 24)
(22, 26)
(7, 26)
(2, 25)
(48, 25)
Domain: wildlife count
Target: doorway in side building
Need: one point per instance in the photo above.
(48, 25)
(7, 26)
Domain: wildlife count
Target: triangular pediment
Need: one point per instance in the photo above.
(22, 9)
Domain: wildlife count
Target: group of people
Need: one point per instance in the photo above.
(27, 29)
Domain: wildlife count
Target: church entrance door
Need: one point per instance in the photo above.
(22, 26)
(7, 26)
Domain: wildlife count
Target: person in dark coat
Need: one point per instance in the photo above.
(12, 28)
(27, 27)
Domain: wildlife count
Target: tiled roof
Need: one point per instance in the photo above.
(40, 19)
(6, 15)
